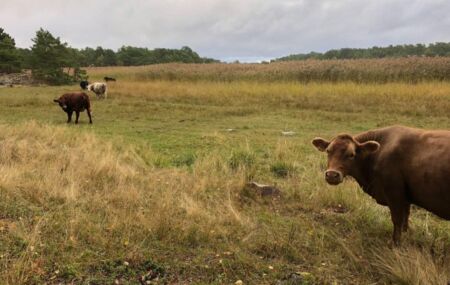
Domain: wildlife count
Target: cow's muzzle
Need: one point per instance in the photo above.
(333, 177)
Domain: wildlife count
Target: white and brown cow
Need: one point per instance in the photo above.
(99, 88)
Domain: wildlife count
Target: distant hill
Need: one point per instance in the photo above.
(431, 50)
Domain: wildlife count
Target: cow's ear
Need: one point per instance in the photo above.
(56, 100)
(369, 147)
(320, 144)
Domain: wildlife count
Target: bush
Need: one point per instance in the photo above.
(241, 158)
(184, 159)
(282, 169)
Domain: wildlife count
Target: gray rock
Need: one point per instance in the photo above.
(288, 133)
(263, 190)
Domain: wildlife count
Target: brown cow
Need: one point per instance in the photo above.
(75, 102)
(397, 166)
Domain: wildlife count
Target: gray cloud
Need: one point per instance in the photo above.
(230, 29)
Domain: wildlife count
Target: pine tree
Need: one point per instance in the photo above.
(49, 57)
(9, 57)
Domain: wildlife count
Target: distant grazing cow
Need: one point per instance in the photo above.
(75, 102)
(106, 78)
(397, 166)
(99, 88)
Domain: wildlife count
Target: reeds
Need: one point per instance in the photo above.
(411, 70)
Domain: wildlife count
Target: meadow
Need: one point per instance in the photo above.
(154, 191)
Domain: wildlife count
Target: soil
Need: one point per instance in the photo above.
(14, 79)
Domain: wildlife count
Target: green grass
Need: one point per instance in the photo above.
(158, 182)
(179, 118)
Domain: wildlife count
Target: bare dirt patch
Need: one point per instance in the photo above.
(14, 79)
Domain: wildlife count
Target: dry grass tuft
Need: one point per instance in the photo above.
(412, 266)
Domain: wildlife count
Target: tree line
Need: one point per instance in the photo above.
(55, 62)
(431, 50)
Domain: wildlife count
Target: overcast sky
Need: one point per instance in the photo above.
(230, 29)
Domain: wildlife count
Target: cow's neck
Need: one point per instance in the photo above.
(364, 174)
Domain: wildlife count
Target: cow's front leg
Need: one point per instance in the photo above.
(394, 191)
(77, 115)
(406, 218)
(399, 217)
(69, 116)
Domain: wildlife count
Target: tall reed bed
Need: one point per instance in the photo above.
(411, 70)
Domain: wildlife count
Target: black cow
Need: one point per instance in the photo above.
(84, 84)
(106, 78)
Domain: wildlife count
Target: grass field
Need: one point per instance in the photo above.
(153, 192)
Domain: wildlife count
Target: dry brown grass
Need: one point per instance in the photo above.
(430, 98)
(413, 266)
(76, 193)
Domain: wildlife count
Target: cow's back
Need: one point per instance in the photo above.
(78, 101)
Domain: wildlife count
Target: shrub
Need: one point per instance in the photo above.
(184, 159)
(241, 158)
(282, 169)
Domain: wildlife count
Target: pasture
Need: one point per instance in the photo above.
(154, 191)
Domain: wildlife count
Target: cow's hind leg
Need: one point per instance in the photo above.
(77, 115)
(69, 116)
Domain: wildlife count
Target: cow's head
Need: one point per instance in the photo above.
(84, 84)
(61, 102)
(345, 156)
